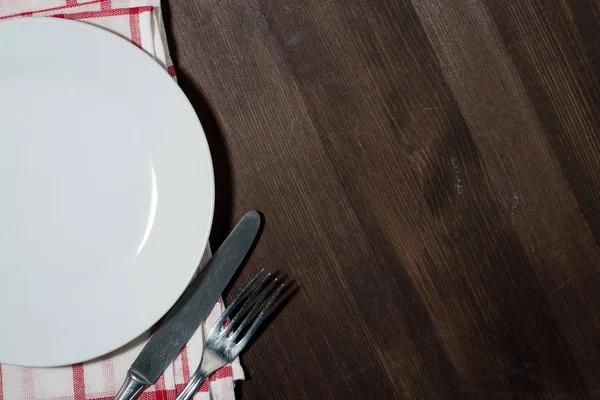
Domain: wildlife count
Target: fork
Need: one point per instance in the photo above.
(221, 345)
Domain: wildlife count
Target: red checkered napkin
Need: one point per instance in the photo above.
(139, 21)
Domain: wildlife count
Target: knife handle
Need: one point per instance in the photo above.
(131, 389)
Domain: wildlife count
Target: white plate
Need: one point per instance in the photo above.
(106, 192)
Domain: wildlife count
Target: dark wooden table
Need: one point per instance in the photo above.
(429, 173)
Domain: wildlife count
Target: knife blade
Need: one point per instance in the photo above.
(194, 305)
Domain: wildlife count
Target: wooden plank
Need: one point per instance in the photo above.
(428, 171)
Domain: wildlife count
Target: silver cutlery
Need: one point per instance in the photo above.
(184, 318)
(222, 346)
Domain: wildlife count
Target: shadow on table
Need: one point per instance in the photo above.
(222, 221)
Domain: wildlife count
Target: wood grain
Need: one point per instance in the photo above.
(429, 175)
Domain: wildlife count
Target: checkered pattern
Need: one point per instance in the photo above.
(139, 21)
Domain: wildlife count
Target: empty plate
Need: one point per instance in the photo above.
(106, 192)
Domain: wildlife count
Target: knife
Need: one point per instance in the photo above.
(183, 319)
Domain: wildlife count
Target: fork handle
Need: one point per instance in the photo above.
(192, 387)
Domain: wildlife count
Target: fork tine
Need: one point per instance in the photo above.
(253, 310)
(217, 327)
(246, 304)
(259, 319)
